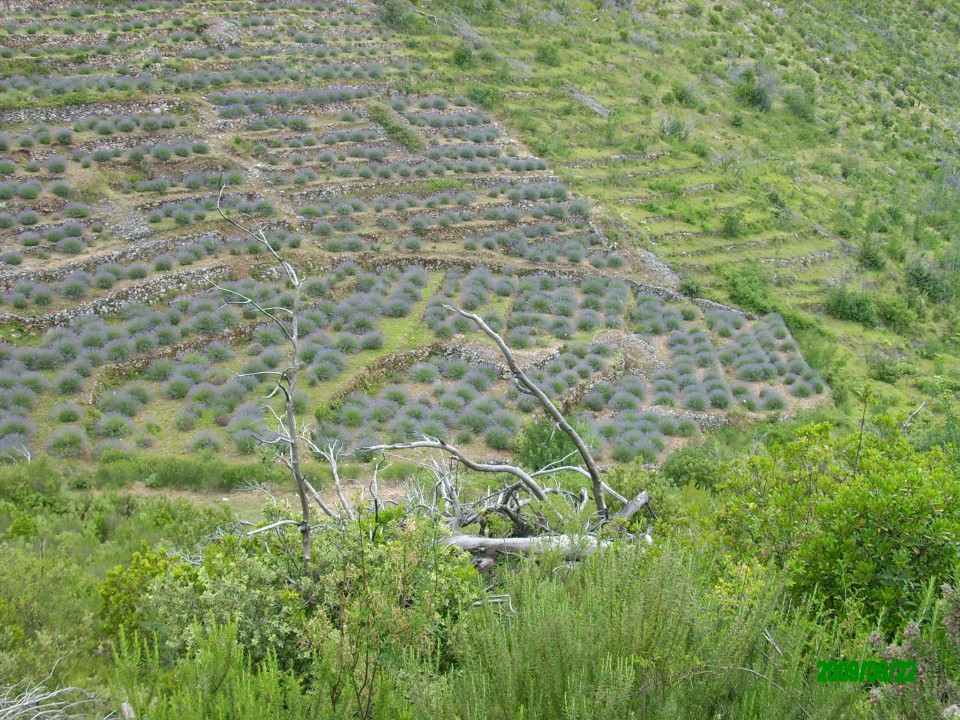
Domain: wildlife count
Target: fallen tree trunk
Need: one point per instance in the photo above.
(486, 549)
(574, 547)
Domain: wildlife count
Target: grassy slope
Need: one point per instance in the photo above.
(870, 165)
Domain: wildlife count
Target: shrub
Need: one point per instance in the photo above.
(896, 313)
(732, 224)
(68, 383)
(177, 387)
(835, 536)
(845, 304)
(749, 288)
(121, 402)
(113, 425)
(68, 441)
(754, 91)
(67, 412)
(695, 401)
(543, 443)
(870, 255)
(463, 56)
(547, 54)
(499, 438)
(798, 103)
(205, 440)
(372, 341)
(772, 400)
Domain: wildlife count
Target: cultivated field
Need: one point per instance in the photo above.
(117, 136)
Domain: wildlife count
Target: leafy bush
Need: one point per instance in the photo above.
(696, 463)
(871, 521)
(754, 91)
(499, 438)
(870, 255)
(845, 304)
(749, 288)
(895, 312)
(547, 54)
(542, 443)
(732, 224)
(795, 99)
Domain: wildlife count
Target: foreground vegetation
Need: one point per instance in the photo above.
(533, 163)
(810, 546)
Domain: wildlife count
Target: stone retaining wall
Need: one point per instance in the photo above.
(144, 293)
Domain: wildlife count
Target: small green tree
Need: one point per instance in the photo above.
(543, 443)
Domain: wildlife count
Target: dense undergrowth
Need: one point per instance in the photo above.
(807, 546)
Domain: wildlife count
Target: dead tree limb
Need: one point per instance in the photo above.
(532, 485)
(551, 409)
(487, 549)
(33, 700)
(286, 382)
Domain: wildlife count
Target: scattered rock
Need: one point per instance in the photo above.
(581, 97)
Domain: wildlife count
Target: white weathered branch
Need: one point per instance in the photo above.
(547, 404)
(486, 549)
(524, 476)
(33, 701)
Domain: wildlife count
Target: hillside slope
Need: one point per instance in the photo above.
(120, 125)
(799, 158)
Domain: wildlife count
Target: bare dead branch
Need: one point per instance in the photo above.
(33, 701)
(525, 478)
(331, 453)
(548, 406)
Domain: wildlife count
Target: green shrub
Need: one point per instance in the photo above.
(732, 224)
(696, 463)
(933, 280)
(578, 643)
(67, 441)
(896, 313)
(463, 56)
(871, 520)
(547, 54)
(798, 103)
(885, 368)
(870, 255)
(753, 91)
(845, 304)
(485, 96)
(543, 443)
(750, 289)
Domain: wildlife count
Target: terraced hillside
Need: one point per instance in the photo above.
(120, 125)
(797, 157)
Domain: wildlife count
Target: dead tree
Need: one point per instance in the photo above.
(533, 531)
(288, 437)
(524, 502)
